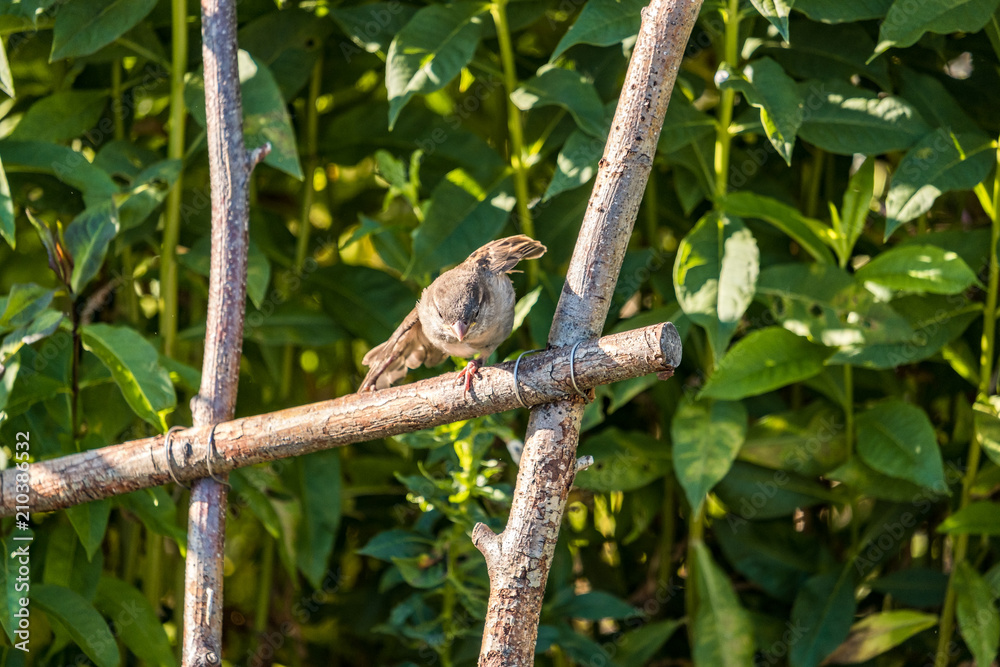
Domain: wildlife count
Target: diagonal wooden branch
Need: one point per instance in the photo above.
(230, 166)
(518, 559)
(110, 471)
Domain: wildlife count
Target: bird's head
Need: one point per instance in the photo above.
(458, 304)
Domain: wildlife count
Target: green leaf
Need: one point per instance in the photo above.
(623, 461)
(524, 305)
(69, 166)
(289, 324)
(933, 166)
(6, 76)
(356, 23)
(23, 304)
(576, 163)
(821, 615)
(806, 440)
(914, 586)
(430, 51)
(879, 633)
(906, 22)
(776, 12)
(752, 492)
(61, 116)
(288, 42)
(721, 629)
(839, 11)
(770, 554)
(367, 302)
(637, 647)
(823, 303)
(775, 94)
(87, 239)
(90, 520)
(593, 606)
(707, 435)
(602, 23)
(422, 571)
(978, 620)
(935, 103)
(683, 126)
(157, 511)
(555, 86)
(764, 360)
(265, 114)
(132, 362)
(810, 233)
(987, 427)
(136, 622)
(861, 480)
(823, 51)
(7, 229)
(982, 518)
(461, 216)
(148, 190)
(845, 119)
(897, 439)
(919, 269)
(319, 480)
(84, 26)
(395, 543)
(715, 275)
(934, 321)
(41, 327)
(85, 626)
(850, 223)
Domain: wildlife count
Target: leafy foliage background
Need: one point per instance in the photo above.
(820, 476)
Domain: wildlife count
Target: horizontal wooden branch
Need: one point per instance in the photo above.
(139, 464)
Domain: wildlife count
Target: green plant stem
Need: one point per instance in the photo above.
(263, 606)
(514, 127)
(849, 410)
(652, 219)
(128, 261)
(696, 535)
(175, 150)
(669, 512)
(152, 579)
(812, 185)
(75, 376)
(724, 137)
(309, 149)
(987, 353)
(116, 99)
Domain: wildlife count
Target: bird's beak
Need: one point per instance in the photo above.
(460, 328)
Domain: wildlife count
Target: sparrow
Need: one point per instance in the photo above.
(467, 312)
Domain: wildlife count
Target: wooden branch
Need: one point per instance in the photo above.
(544, 377)
(229, 171)
(518, 560)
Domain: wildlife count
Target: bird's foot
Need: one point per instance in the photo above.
(472, 368)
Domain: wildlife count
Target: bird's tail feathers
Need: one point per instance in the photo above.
(503, 254)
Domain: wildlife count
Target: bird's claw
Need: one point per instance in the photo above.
(472, 368)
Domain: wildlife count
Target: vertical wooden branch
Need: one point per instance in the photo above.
(230, 166)
(519, 558)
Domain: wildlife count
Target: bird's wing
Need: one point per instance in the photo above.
(407, 348)
(502, 255)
